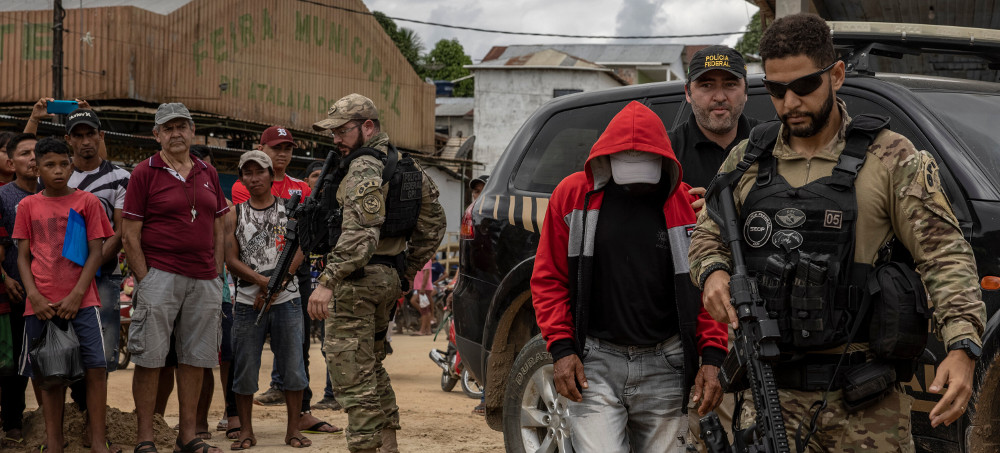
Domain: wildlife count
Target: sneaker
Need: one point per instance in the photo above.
(327, 403)
(272, 397)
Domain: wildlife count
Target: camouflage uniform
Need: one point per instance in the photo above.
(360, 308)
(899, 194)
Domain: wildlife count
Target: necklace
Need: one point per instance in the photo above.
(194, 189)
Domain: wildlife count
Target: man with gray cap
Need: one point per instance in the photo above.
(172, 230)
(255, 237)
(387, 234)
(716, 88)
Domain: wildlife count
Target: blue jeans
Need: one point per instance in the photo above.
(109, 287)
(634, 399)
(284, 323)
(305, 290)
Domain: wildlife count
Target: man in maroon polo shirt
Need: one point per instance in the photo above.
(173, 236)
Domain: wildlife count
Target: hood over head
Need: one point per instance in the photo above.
(635, 128)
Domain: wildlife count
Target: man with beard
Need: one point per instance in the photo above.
(717, 91)
(381, 245)
(834, 191)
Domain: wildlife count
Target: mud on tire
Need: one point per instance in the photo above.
(535, 417)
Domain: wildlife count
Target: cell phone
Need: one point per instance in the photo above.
(61, 107)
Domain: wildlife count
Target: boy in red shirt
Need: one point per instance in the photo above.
(60, 288)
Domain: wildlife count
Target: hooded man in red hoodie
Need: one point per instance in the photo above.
(612, 296)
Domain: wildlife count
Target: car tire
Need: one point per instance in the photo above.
(470, 386)
(535, 416)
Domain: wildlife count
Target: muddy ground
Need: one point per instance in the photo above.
(433, 421)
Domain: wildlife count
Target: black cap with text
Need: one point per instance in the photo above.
(717, 57)
(82, 116)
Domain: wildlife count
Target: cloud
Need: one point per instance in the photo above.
(639, 18)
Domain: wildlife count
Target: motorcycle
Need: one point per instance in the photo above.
(453, 370)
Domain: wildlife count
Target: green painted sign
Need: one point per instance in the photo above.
(224, 42)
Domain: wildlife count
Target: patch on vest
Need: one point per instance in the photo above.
(833, 219)
(412, 185)
(790, 218)
(787, 240)
(371, 204)
(757, 229)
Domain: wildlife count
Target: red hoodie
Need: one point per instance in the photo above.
(561, 280)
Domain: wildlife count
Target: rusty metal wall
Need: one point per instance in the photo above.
(267, 61)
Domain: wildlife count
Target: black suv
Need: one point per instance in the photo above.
(955, 120)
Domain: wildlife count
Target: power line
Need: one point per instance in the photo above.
(521, 33)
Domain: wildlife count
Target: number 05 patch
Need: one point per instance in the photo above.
(371, 204)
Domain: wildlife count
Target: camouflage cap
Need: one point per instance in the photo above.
(351, 107)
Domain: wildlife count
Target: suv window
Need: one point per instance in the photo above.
(973, 118)
(563, 143)
(562, 146)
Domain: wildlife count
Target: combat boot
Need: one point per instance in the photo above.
(389, 441)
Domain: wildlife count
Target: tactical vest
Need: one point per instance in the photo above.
(323, 215)
(800, 241)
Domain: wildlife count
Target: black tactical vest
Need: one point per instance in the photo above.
(799, 242)
(323, 218)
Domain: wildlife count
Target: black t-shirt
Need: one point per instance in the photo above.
(632, 302)
(700, 157)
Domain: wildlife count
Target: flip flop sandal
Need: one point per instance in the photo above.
(202, 435)
(301, 440)
(10, 442)
(145, 447)
(44, 447)
(242, 444)
(196, 445)
(314, 429)
(231, 431)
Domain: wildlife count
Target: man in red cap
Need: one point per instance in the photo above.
(277, 142)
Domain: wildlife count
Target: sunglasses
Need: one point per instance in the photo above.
(801, 86)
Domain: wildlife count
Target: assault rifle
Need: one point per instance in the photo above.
(278, 281)
(755, 349)
(292, 234)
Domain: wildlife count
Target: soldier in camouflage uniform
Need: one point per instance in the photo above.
(898, 194)
(355, 333)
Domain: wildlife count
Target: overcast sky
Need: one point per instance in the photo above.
(577, 17)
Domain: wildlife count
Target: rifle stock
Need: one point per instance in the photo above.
(748, 364)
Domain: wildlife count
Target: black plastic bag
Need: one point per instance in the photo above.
(55, 355)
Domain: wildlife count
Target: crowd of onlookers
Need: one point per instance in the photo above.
(184, 244)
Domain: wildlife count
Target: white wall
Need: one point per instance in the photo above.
(451, 196)
(455, 124)
(505, 98)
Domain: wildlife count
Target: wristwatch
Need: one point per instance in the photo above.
(971, 348)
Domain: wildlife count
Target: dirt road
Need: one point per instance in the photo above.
(433, 421)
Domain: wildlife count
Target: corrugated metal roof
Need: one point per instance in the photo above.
(606, 54)
(545, 57)
(454, 106)
(156, 6)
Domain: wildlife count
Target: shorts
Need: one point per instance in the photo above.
(284, 324)
(188, 308)
(86, 324)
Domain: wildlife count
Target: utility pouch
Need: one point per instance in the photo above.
(867, 384)
(900, 314)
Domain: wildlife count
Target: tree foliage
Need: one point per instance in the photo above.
(406, 40)
(446, 61)
(749, 44)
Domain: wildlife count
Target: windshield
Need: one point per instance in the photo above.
(973, 118)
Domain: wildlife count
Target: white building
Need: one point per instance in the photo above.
(509, 90)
